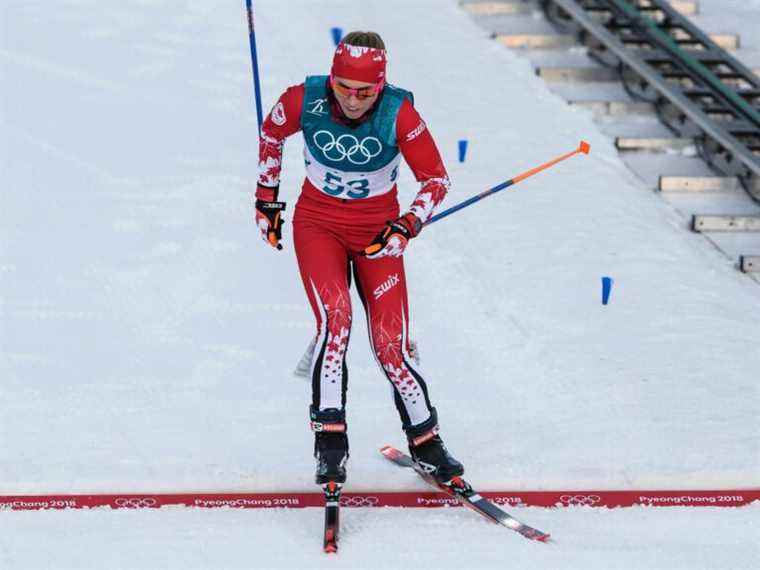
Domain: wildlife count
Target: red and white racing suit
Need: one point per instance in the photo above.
(329, 233)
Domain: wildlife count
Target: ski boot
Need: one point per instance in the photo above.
(430, 454)
(331, 453)
(330, 446)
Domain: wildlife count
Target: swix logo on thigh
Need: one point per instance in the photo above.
(386, 286)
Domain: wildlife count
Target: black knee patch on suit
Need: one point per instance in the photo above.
(413, 432)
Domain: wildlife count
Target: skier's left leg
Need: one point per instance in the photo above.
(381, 284)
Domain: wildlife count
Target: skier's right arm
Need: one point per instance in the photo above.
(283, 120)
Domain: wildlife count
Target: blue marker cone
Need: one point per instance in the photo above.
(462, 150)
(337, 35)
(606, 289)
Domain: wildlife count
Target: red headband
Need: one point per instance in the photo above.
(359, 63)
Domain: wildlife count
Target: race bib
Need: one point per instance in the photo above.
(350, 185)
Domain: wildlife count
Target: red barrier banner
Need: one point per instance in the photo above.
(299, 500)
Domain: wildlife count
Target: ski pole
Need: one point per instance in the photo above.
(254, 60)
(584, 147)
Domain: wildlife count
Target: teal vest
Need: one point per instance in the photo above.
(365, 149)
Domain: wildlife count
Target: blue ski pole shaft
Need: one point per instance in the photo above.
(583, 147)
(254, 61)
(469, 201)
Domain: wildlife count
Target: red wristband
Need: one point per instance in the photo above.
(412, 223)
(267, 194)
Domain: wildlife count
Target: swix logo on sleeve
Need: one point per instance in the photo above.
(278, 114)
(419, 129)
(386, 286)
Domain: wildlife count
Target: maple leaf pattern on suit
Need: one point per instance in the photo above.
(270, 159)
(431, 194)
(337, 305)
(388, 345)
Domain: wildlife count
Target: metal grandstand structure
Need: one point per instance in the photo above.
(698, 89)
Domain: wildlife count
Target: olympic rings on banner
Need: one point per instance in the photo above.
(359, 501)
(136, 502)
(580, 500)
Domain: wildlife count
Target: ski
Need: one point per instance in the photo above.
(461, 490)
(332, 515)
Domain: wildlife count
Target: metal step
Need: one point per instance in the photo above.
(536, 41)
(577, 74)
(698, 184)
(750, 263)
(728, 42)
(725, 223)
(685, 7)
(500, 8)
(615, 108)
(596, 74)
(653, 144)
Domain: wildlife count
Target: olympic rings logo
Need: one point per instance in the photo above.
(359, 501)
(347, 147)
(136, 502)
(580, 500)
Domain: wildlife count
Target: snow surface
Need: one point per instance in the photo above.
(641, 538)
(148, 337)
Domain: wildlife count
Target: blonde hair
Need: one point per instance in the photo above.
(364, 39)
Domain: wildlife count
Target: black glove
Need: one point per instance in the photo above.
(269, 220)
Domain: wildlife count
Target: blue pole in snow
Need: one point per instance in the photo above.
(462, 150)
(254, 61)
(337, 35)
(606, 289)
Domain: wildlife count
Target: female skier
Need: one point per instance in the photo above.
(356, 127)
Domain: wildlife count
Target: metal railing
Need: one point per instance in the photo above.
(698, 89)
